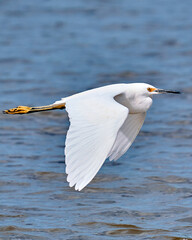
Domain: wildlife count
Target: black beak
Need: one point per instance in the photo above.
(166, 91)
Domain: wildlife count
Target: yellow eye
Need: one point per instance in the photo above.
(151, 89)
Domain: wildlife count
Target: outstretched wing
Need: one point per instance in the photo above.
(94, 124)
(126, 135)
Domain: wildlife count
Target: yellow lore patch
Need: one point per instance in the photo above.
(151, 89)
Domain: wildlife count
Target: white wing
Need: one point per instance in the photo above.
(126, 135)
(94, 124)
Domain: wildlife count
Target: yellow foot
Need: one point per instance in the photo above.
(18, 110)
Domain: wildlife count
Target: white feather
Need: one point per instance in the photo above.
(94, 124)
(126, 135)
(100, 127)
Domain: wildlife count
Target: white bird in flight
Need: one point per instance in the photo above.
(104, 122)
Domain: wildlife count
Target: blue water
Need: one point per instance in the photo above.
(52, 49)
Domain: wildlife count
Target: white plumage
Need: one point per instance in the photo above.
(104, 122)
(126, 135)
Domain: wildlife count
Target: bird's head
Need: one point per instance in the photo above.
(140, 96)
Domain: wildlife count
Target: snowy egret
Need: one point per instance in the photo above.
(104, 122)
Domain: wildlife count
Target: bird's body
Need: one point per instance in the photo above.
(125, 94)
(103, 123)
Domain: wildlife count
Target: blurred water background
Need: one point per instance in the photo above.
(53, 48)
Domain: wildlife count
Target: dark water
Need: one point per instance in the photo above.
(51, 49)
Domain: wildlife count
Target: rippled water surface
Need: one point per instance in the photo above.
(51, 49)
